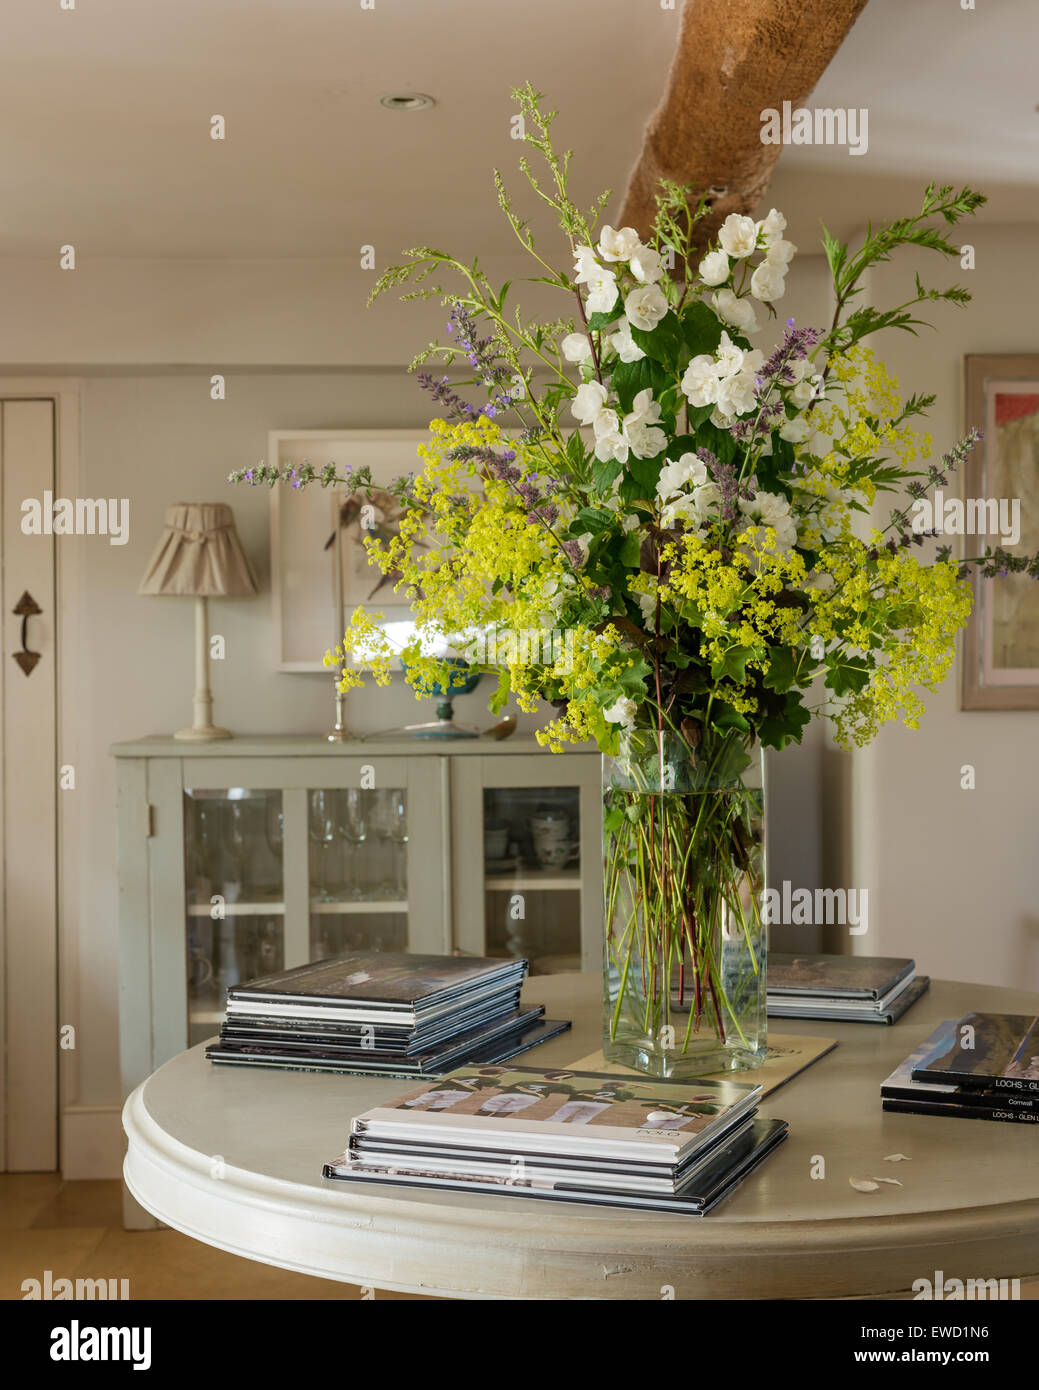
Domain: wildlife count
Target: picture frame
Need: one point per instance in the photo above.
(310, 601)
(1001, 642)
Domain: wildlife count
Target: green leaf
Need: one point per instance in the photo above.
(725, 718)
(733, 664)
(665, 343)
(500, 697)
(845, 676)
(777, 730)
(782, 663)
(630, 551)
(603, 474)
(701, 328)
(597, 322)
(592, 519)
(629, 378)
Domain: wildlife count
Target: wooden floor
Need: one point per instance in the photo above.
(74, 1229)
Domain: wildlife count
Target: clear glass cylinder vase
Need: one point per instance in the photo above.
(684, 942)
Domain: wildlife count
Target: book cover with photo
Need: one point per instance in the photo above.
(392, 978)
(987, 1051)
(852, 977)
(562, 1110)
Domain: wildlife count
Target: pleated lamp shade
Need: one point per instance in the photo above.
(199, 554)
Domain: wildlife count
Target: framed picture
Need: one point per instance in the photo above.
(1001, 492)
(311, 600)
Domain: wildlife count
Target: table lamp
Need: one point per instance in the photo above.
(200, 555)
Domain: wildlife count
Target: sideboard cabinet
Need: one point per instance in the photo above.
(260, 853)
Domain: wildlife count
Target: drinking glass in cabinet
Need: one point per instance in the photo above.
(323, 833)
(390, 825)
(352, 826)
(228, 855)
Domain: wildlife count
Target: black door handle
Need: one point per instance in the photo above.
(26, 608)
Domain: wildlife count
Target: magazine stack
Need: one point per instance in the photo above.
(384, 1014)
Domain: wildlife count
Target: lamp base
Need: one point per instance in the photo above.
(205, 733)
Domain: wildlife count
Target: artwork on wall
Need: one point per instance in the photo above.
(310, 606)
(1001, 485)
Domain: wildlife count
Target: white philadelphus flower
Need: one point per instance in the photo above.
(694, 509)
(714, 268)
(575, 347)
(612, 446)
(688, 470)
(646, 264)
(795, 431)
(772, 227)
(622, 711)
(617, 245)
(738, 236)
(601, 282)
(624, 344)
(736, 394)
(805, 389)
(586, 267)
(588, 401)
(640, 430)
(780, 252)
(772, 509)
(700, 382)
(729, 356)
(768, 282)
(645, 307)
(603, 294)
(733, 310)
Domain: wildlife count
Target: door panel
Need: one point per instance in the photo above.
(28, 907)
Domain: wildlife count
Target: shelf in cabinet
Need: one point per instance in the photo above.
(364, 906)
(535, 879)
(238, 909)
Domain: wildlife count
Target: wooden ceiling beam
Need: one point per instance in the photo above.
(735, 59)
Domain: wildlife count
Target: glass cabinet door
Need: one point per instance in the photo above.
(532, 875)
(233, 852)
(358, 869)
(527, 851)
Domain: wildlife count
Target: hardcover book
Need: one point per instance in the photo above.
(921, 1096)
(731, 1162)
(524, 1111)
(389, 987)
(997, 1052)
(843, 977)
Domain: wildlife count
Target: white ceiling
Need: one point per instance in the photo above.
(104, 117)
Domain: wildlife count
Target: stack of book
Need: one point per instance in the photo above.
(384, 1014)
(852, 989)
(979, 1067)
(571, 1136)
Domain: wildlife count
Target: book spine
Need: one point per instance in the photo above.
(1022, 1085)
(964, 1112)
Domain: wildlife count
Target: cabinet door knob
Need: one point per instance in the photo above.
(26, 608)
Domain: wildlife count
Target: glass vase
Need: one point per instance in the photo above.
(684, 943)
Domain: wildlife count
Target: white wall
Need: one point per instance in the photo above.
(953, 875)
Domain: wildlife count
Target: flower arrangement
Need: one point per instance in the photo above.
(694, 513)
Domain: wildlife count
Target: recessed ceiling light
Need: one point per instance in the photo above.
(407, 101)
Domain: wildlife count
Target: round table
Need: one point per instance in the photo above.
(232, 1156)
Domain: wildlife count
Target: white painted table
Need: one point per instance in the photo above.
(232, 1157)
